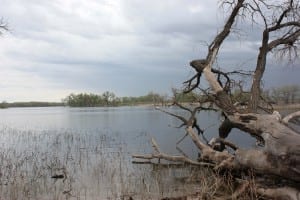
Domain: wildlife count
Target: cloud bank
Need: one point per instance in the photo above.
(129, 47)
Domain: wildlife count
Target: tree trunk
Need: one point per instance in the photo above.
(281, 152)
(258, 74)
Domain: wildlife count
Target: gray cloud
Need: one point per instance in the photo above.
(126, 46)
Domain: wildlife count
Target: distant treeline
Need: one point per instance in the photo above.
(289, 94)
(105, 99)
(110, 99)
(283, 95)
(30, 104)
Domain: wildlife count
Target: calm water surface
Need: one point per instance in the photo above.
(92, 148)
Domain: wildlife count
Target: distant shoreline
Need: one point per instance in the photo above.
(60, 104)
(4, 105)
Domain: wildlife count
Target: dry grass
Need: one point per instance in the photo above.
(94, 166)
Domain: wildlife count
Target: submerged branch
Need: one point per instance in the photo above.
(159, 155)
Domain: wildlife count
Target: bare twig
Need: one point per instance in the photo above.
(227, 143)
(189, 82)
(3, 26)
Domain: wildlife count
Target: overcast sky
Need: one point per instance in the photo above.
(129, 47)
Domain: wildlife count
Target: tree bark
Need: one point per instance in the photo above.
(258, 74)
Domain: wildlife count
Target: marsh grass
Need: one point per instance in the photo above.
(93, 165)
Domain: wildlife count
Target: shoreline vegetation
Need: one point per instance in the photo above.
(284, 97)
(30, 104)
(109, 99)
(33, 104)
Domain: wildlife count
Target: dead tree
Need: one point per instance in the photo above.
(281, 32)
(279, 154)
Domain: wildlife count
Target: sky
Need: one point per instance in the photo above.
(129, 47)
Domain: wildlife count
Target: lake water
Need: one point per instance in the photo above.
(92, 148)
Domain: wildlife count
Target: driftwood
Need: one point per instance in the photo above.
(278, 156)
(160, 155)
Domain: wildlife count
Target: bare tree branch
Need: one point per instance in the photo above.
(215, 45)
(3, 26)
(289, 40)
(291, 116)
(159, 155)
(191, 87)
(172, 114)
